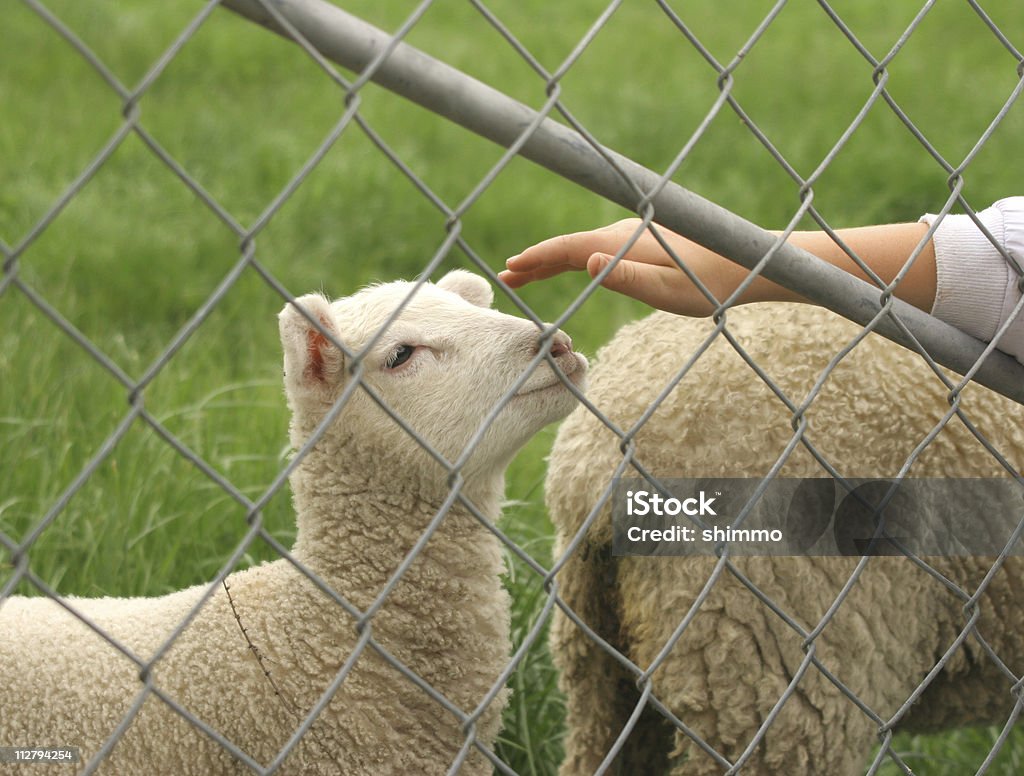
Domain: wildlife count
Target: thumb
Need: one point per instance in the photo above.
(626, 277)
(622, 276)
(666, 288)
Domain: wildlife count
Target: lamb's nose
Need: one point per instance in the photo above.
(560, 345)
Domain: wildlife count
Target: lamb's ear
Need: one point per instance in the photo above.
(472, 288)
(313, 366)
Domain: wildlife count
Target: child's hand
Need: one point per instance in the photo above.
(646, 272)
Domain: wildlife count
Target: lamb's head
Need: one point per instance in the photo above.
(443, 365)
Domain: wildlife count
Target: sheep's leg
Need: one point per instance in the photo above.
(647, 748)
(817, 730)
(731, 666)
(791, 745)
(600, 694)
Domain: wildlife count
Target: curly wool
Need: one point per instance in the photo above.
(364, 495)
(736, 658)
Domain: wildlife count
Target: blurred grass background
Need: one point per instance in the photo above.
(135, 253)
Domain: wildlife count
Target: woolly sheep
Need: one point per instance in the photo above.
(736, 658)
(363, 496)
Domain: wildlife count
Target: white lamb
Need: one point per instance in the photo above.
(363, 496)
(736, 658)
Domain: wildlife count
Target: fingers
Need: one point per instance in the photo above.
(664, 287)
(659, 285)
(519, 279)
(571, 252)
(645, 272)
(564, 253)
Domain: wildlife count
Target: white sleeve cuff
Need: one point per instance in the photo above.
(976, 290)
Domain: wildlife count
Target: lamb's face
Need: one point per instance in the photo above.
(444, 365)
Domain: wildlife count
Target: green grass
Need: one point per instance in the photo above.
(133, 256)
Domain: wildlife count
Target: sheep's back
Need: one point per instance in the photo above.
(722, 420)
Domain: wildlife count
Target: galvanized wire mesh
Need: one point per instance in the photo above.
(327, 35)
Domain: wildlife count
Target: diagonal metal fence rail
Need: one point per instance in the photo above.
(555, 139)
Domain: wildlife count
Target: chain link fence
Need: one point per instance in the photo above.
(554, 138)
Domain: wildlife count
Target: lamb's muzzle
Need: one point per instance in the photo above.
(560, 344)
(573, 365)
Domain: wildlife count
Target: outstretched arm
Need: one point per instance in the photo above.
(648, 273)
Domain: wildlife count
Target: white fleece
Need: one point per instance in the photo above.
(364, 495)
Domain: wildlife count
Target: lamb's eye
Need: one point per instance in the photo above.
(400, 356)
